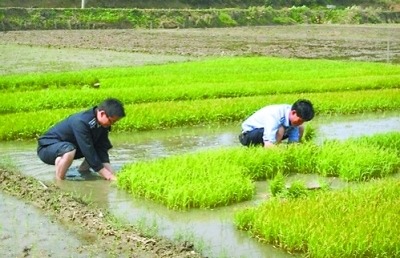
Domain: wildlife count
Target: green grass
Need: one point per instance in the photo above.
(198, 92)
(220, 177)
(360, 222)
(187, 182)
(168, 114)
(253, 75)
(357, 222)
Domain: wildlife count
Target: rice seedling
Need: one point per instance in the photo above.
(208, 79)
(297, 189)
(223, 176)
(184, 182)
(356, 222)
(356, 162)
(156, 115)
(198, 92)
(256, 75)
(33, 82)
(277, 184)
(389, 141)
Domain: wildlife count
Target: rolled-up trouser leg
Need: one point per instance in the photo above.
(49, 153)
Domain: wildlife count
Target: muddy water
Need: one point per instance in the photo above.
(30, 234)
(212, 230)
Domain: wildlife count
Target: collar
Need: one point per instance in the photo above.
(285, 120)
(94, 123)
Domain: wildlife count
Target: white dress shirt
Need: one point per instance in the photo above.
(271, 118)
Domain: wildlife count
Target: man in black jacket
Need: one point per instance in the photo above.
(82, 135)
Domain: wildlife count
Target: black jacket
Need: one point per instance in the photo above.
(82, 130)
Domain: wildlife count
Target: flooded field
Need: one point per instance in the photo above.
(27, 231)
(212, 230)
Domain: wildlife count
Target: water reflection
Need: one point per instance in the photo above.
(344, 129)
(30, 234)
(214, 227)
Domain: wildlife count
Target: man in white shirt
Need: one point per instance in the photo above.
(272, 124)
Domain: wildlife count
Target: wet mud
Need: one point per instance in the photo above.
(99, 230)
(211, 232)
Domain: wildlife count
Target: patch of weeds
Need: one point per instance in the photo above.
(297, 189)
(187, 238)
(147, 229)
(277, 184)
(85, 199)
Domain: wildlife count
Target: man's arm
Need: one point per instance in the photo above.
(83, 137)
(278, 137)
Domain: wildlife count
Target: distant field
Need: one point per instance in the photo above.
(63, 50)
(37, 59)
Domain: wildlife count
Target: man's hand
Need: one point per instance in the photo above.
(268, 144)
(107, 174)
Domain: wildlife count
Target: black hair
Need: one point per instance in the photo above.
(112, 107)
(304, 109)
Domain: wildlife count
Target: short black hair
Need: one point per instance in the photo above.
(112, 107)
(304, 109)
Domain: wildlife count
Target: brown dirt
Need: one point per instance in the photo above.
(114, 239)
(357, 42)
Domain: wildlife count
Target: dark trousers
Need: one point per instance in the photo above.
(254, 137)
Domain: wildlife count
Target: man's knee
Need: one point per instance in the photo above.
(69, 155)
(251, 138)
(49, 154)
(243, 139)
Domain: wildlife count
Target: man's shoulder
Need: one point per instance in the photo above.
(84, 117)
(276, 108)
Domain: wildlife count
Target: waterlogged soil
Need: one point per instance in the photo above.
(48, 220)
(84, 218)
(99, 234)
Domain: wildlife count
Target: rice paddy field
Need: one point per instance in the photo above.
(167, 90)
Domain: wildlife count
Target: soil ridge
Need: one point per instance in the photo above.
(104, 230)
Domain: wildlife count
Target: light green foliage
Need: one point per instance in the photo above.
(297, 189)
(223, 176)
(210, 91)
(389, 141)
(309, 133)
(187, 181)
(301, 158)
(277, 184)
(356, 162)
(361, 222)
(31, 82)
(226, 20)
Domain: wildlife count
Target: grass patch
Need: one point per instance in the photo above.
(361, 222)
(220, 177)
(198, 92)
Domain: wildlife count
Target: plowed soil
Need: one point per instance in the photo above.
(356, 42)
